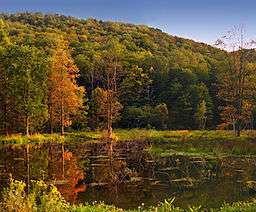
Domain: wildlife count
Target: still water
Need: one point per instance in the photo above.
(125, 175)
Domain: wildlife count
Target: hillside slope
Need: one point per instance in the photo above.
(182, 73)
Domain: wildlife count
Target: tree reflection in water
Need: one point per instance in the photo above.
(64, 172)
(124, 174)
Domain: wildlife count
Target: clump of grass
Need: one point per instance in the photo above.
(85, 136)
(13, 139)
(35, 138)
(133, 134)
(238, 206)
(94, 207)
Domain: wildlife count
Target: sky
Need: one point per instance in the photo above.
(200, 20)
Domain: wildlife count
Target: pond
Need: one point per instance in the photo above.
(125, 175)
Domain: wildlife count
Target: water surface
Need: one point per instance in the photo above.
(126, 175)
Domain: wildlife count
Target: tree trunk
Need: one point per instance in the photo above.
(251, 122)
(238, 132)
(110, 133)
(28, 168)
(27, 125)
(6, 120)
(63, 161)
(51, 118)
(50, 162)
(109, 116)
(234, 126)
(6, 130)
(238, 128)
(51, 127)
(62, 118)
(92, 80)
(109, 123)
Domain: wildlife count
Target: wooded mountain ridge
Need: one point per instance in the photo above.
(162, 75)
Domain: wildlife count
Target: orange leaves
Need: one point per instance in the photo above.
(65, 96)
(230, 114)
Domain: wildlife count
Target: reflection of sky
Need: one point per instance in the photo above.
(201, 20)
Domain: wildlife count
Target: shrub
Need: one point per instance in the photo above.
(40, 197)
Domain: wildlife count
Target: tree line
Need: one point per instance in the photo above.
(58, 71)
(36, 87)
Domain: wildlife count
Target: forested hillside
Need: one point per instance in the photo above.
(159, 81)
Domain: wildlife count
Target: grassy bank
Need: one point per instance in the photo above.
(166, 135)
(33, 139)
(135, 135)
(164, 143)
(42, 197)
(203, 143)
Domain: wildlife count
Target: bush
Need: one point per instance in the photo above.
(40, 197)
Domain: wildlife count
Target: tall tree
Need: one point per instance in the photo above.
(65, 96)
(234, 88)
(5, 80)
(111, 70)
(28, 68)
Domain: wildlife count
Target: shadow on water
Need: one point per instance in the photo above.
(125, 175)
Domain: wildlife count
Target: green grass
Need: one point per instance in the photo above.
(194, 143)
(182, 135)
(205, 149)
(137, 135)
(36, 138)
(218, 147)
(89, 136)
(164, 143)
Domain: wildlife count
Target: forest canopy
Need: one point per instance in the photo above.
(159, 81)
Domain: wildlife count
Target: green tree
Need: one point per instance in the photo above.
(136, 117)
(200, 115)
(160, 118)
(6, 104)
(178, 95)
(99, 108)
(28, 68)
(135, 88)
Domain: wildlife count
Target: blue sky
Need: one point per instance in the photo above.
(200, 20)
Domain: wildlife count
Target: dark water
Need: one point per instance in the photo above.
(125, 175)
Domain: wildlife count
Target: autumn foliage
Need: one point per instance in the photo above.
(65, 96)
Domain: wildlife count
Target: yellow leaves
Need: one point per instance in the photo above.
(250, 66)
(83, 38)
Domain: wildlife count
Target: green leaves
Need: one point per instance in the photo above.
(28, 68)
